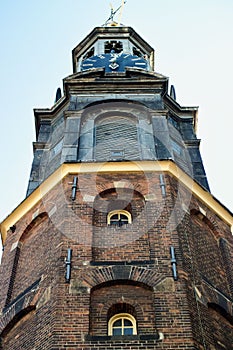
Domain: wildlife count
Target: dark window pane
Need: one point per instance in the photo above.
(128, 331)
(117, 331)
(113, 222)
(89, 54)
(137, 52)
(117, 323)
(114, 217)
(127, 323)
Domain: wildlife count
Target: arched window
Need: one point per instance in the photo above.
(119, 218)
(122, 324)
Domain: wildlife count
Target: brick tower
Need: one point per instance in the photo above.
(119, 243)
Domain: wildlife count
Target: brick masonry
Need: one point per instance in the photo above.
(117, 268)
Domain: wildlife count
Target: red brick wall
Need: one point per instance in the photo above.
(138, 272)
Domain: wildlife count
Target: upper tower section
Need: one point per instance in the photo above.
(114, 49)
(115, 108)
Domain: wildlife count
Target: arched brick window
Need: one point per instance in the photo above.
(206, 252)
(117, 309)
(33, 245)
(119, 226)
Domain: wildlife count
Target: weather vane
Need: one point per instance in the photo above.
(110, 20)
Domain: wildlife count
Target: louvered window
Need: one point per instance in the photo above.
(116, 138)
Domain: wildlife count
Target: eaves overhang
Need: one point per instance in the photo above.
(162, 166)
(46, 114)
(182, 111)
(94, 73)
(171, 103)
(132, 79)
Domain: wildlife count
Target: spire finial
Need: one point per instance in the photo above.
(110, 21)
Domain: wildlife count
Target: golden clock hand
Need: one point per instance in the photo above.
(121, 11)
(111, 17)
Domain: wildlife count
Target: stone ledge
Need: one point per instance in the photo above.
(123, 338)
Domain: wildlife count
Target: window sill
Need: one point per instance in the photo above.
(123, 263)
(122, 338)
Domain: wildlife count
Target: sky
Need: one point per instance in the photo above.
(193, 47)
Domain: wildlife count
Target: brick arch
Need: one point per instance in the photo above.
(15, 319)
(36, 221)
(120, 307)
(124, 198)
(98, 277)
(209, 221)
(213, 296)
(222, 310)
(136, 183)
(103, 309)
(109, 187)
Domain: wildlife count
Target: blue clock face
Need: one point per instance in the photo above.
(114, 62)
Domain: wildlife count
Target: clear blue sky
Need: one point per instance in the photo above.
(193, 40)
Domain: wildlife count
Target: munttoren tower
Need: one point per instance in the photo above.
(119, 243)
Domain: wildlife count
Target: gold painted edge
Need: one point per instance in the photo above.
(166, 166)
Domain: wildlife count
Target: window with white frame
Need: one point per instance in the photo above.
(119, 218)
(122, 324)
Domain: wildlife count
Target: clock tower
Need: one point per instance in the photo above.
(119, 243)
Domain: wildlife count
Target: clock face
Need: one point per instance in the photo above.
(114, 62)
